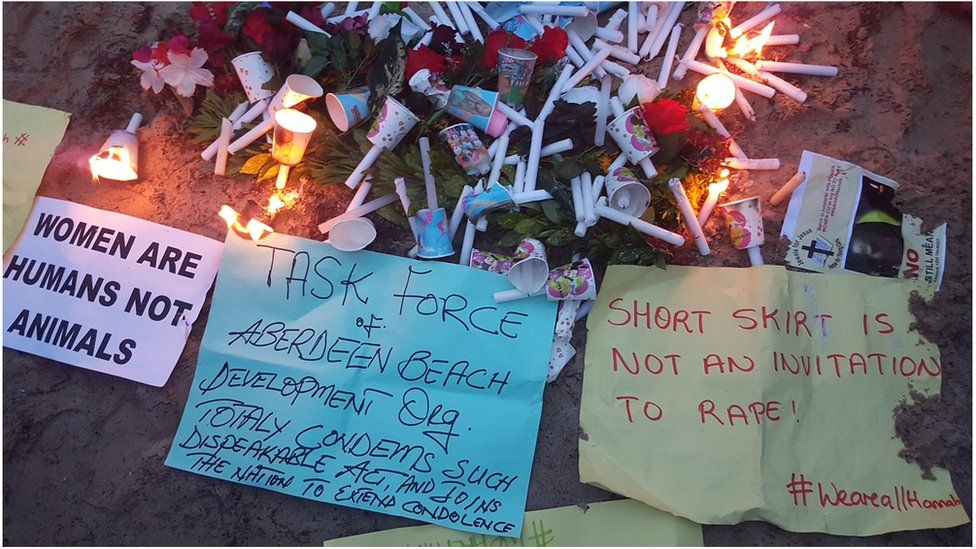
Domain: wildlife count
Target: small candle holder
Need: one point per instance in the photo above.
(292, 133)
(118, 159)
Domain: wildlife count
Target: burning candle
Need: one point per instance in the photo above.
(253, 228)
(752, 46)
(118, 159)
(787, 190)
(715, 191)
(752, 163)
(293, 131)
(742, 83)
(715, 42)
(688, 214)
(796, 68)
(765, 15)
(716, 92)
(662, 79)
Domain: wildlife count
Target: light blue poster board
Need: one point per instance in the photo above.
(371, 381)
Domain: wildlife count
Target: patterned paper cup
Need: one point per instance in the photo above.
(349, 108)
(254, 72)
(434, 238)
(490, 261)
(744, 219)
(530, 268)
(560, 355)
(626, 193)
(351, 235)
(298, 88)
(469, 151)
(476, 106)
(632, 135)
(574, 281)
(514, 74)
(393, 123)
(497, 197)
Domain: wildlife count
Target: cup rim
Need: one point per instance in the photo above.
(403, 108)
(248, 54)
(308, 83)
(512, 52)
(365, 222)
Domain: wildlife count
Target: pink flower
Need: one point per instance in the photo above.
(185, 72)
(150, 74)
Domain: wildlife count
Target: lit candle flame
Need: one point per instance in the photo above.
(112, 163)
(744, 46)
(256, 229)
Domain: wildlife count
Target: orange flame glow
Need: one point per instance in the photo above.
(745, 46)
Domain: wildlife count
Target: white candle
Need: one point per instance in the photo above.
(577, 44)
(458, 212)
(715, 191)
(752, 163)
(459, 21)
(251, 114)
(602, 210)
(327, 9)
(691, 221)
(598, 182)
(783, 86)
(586, 193)
(735, 150)
(470, 22)
(616, 19)
(553, 9)
(303, 23)
(610, 35)
(505, 296)
(428, 175)
(712, 120)
(416, 19)
(665, 29)
(351, 7)
(498, 160)
(535, 153)
(601, 112)
(755, 21)
(743, 65)
(786, 190)
(796, 68)
(467, 241)
(575, 187)
(441, 15)
(251, 136)
(586, 69)
(556, 90)
(617, 163)
(531, 196)
(743, 83)
(361, 193)
(364, 164)
(519, 185)
(740, 99)
(220, 167)
(692, 51)
(401, 190)
(648, 168)
(783, 40)
(556, 147)
(616, 107)
(632, 26)
(366, 208)
(211, 150)
(618, 52)
(479, 10)
(513, 115)
(662, 78)
(650, 20)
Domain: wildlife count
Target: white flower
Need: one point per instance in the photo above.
(150, 75)
(185, 72)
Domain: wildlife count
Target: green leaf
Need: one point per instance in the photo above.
(528, 227)
(315, 65)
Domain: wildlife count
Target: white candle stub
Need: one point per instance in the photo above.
(752, 163)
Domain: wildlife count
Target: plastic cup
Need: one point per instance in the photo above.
(434, 238)
(254, 72)
(349, 108)
(626, 193)
(514, 74)
(351, 235)
(469, 151)
(631, 134)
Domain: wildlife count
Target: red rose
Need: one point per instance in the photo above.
(313, 14)
(551, 46)
(425, 58)
(209, 13)
(497, 40)
(666, 116)
(258, 26)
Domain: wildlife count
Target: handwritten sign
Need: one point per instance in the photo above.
(621, 523)
(104, 291)
(370, 381)
(725, 395)
(30, 135)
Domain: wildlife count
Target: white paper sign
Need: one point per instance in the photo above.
(105, 291)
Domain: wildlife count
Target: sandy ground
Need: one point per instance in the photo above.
(83, 452)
